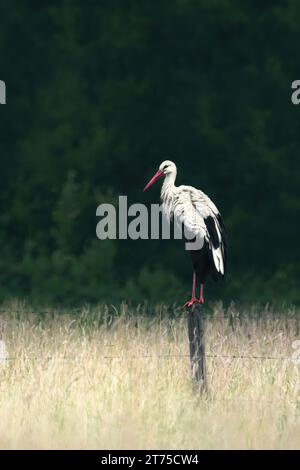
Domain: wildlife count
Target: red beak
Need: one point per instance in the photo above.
(157, 175)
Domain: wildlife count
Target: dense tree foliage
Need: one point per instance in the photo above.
(99, 93)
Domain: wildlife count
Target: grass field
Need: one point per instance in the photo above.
(114, 378)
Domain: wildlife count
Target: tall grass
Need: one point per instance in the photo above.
(115, 378)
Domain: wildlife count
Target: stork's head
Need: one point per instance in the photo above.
(165, 168)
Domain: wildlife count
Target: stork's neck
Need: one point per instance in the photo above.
(168, 187)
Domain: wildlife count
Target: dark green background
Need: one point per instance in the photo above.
(98, 94)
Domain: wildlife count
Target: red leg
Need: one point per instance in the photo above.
(201, 299)
(193, 300)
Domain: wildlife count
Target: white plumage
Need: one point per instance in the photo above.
(200, 218)
(191, 207)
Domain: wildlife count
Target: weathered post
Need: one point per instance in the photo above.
(197, 345)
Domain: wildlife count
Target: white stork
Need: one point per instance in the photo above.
(199, 216)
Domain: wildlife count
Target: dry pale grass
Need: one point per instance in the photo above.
(93, 380)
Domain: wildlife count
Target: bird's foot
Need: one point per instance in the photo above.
(201, 300)
(191, 302)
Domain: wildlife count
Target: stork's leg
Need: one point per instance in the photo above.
(201, 299)
(193, 300)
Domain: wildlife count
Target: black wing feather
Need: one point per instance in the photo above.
(224, 247)
(212, 231)
(210, 223)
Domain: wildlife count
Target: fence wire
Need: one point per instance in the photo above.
(150, 356)
(155, 315)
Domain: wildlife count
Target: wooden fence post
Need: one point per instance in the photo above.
(197, 345)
